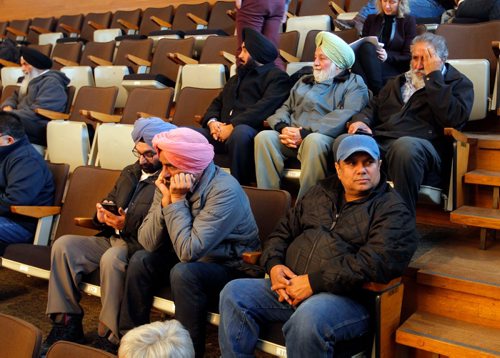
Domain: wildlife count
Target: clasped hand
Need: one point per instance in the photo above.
(290, 137)
(290, 287)
(174, 188)
(104, 216)
(220, 131)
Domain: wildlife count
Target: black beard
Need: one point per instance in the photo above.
(247, 67)
(150, 168)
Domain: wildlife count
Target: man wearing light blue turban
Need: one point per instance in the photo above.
(314, 114)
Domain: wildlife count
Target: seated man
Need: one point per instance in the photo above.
(41, 88)
(314, 114)
(236, 116)
(157, 340)
(409, 116)
(349, 229)
(204, 213)
(73, 256)
(469, 11)
(25, 179)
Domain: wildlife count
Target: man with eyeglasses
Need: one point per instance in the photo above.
(118, 216)
(24, 180)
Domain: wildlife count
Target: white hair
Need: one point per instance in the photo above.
(157, 340)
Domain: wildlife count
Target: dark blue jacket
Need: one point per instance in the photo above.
(25, 179)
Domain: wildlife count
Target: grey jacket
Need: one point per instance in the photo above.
(213, 224)
(322, 107)
(47, 91)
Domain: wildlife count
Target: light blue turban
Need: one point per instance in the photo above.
(146, 128)
(335, 49)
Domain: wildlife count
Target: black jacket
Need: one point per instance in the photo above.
(340, 248)
(252, 99)
(445, 101)
(25, 179)
(135, 196)
(398, 49)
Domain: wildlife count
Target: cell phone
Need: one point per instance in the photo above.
(111, 207)
(363, 131)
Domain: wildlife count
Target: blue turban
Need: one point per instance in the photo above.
(146, 128)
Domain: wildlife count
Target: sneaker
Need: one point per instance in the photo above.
(66, 327)
(103, 343)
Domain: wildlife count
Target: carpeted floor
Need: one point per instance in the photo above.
(26, 297)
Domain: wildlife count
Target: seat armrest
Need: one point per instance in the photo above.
(337, 9)
(16, 32)
(64, 62)
(231, 14)
(288, 57)
(35, 211)
(85, 222)
(99, 61)
(100, 117)
(128, 25)
(95, 25)
(228, 56)
(39, 30)
(160, 22)
(138, 61)
(69, 29)
(251, 257)
(51, 114)
(382, 287)
(7, 63)
(456, 134)
(495, 45)
(181, 59)
(196, 19)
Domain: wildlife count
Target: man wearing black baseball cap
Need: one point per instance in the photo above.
(40, 88)
(236, 116)
(348, 229)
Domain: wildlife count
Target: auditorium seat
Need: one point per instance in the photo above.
(188, 113)
(45, 215)
(124, 22)
(19, 338)
(39, 25)
(68, 141)
(111, 74)
(161, 72)
(18, 30)
(65, 349)
(81, 74)
(87, 186)
(304, 24)
(112, 145)
(153, 16)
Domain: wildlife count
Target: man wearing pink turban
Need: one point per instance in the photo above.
(204, 214)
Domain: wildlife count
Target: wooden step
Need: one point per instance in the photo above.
(483, 177)
(478, 217)
(449, 337)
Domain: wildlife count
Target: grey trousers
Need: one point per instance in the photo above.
(270, 155)
(73, 256)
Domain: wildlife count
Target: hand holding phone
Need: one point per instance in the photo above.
(111, 207)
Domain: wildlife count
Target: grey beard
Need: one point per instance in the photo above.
(23, 90)
(417, 81)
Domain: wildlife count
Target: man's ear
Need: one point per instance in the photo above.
(337, 167)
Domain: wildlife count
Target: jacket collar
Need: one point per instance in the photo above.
(5, 150)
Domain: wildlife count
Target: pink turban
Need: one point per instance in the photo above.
(185, 149)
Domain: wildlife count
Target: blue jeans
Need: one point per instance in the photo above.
(310, 330)
(13, 233)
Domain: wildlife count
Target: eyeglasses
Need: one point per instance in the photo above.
(148, 155)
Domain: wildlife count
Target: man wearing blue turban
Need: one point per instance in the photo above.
(118, 217)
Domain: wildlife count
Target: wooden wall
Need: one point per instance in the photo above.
(25, 9)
